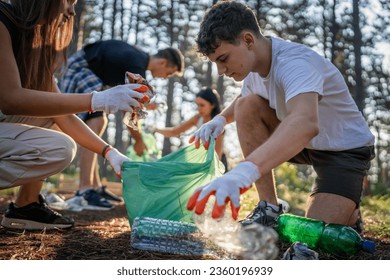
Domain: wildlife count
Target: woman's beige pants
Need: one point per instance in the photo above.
(29, 152)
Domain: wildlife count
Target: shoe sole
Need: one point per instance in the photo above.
(31, 225)
(113, 200)
(115, 203)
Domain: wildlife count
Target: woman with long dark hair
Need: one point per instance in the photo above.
(34, 36)
(208, 102)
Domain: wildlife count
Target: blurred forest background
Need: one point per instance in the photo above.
(353, 34)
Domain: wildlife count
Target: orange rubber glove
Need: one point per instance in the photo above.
(226, 188)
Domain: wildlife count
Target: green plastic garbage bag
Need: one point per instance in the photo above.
(161, 189)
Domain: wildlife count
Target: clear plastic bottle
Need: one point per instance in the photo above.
(166, 236)
(252, 242)
(329, 238)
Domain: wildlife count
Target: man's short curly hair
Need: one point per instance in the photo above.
(225, 21)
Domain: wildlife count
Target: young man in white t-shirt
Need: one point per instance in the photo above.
(295, 106)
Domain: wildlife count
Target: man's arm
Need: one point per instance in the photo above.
(139, 145)
(228, 112)
(291, 136)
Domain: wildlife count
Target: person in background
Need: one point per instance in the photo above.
(101, 65)
(208, 102)
(295, 106)
(34, 36)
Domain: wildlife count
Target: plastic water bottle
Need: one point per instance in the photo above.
(252, 242)
(329, 238)
(166, 236)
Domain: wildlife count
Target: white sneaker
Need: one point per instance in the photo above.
(77, 203)
(56, 202)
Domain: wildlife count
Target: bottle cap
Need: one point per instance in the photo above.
(368, 246)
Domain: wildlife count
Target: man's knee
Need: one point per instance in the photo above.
(250, 101)
(330, 208)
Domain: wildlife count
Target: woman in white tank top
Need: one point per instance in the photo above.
(208, 102)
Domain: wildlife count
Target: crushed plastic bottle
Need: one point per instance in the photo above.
(131, 119)
(252, 242)
(300, 251)
(173, 237)
(166, 236)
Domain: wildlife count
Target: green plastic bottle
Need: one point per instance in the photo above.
(329, 238)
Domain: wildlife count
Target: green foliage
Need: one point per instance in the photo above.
(375, 213)
(293, 184)
(55, 179)
(9, 192)
(294, 177)
(381, 188)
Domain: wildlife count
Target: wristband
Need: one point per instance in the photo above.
(105, 150)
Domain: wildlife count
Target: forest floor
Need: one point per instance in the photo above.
(105, 235)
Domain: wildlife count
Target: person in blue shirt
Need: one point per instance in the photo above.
(103, 64)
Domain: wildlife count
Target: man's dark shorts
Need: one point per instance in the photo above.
(340, 172)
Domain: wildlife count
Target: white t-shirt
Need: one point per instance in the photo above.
(297, 69)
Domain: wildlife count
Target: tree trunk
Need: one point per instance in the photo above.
(114, 12)
(334, 28)
(357, 39)
(104, 19)
(168, 121)
(209, 76)
(78, 28)
(324, 28)
(221, 89)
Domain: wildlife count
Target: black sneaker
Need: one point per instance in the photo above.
(262, 214)
(105, 193)
(95, 200)
(35, 216)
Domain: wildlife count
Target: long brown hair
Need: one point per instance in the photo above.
(42, 40)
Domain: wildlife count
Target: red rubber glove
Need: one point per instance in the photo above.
(226, 188)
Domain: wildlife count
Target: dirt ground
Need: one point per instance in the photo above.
(105, 235)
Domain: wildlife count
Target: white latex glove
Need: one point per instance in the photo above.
(116, 160)
(213, 127)
(226, 188)
(119, 98)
